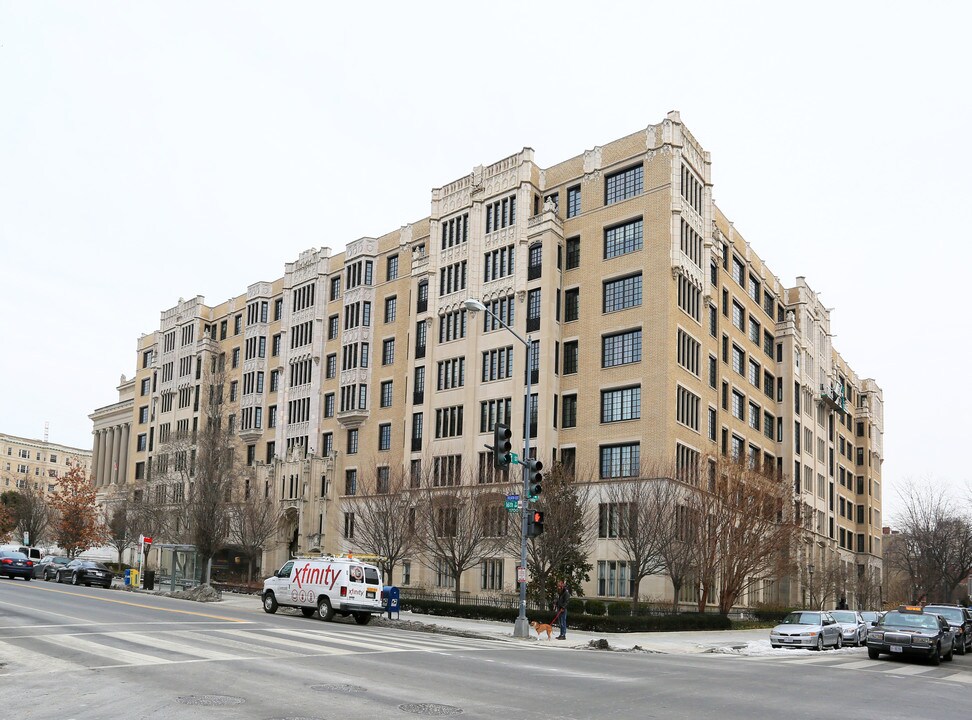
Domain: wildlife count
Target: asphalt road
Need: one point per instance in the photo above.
(92, 654)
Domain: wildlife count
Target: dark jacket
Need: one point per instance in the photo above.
(562, 598)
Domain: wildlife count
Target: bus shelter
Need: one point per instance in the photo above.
(179, 566)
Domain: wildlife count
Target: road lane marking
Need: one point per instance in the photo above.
(162, 644)
(248, 647)
(311, 648)
(119, 656)
(139, 605)
(910, 670)
(20, 606)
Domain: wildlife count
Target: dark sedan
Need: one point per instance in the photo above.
(961, 621)
(48, 564)
(16, 564)
(84, 572)
(909, 630)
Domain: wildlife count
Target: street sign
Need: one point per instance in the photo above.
(512, 502)
(520, 574)
(26, 538)
(514, 459)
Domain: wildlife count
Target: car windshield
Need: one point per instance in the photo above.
(802, 618)
(870, 616)
(910, 620)
(844, 616)
(953, 614)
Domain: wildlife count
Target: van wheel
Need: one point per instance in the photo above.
(269, 603)
(324, 609)
(362, 618)
(307, 612)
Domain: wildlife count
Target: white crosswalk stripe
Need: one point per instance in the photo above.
(73, 650)
(955, 671)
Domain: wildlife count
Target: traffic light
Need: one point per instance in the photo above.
(501, 446)
(535, 523)
(534, 478)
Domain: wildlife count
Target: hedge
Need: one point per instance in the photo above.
(771, 613)
(577, 621)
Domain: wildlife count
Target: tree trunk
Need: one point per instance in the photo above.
(456, 588)
(677, 587)
(703, 598)
(207, 567)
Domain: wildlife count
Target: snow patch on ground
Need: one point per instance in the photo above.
(762, 648)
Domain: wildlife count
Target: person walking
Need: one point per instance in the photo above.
(562, 597)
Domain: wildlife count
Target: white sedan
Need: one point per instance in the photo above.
(808, 629)
(853, 626)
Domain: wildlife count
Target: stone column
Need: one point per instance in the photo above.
(123, 455)
(112, 456)
(95, 455)
(102, 456)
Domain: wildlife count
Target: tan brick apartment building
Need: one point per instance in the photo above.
(38, 462)
(659, 335)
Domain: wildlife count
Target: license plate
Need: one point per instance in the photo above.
(370, 594)
(897, 648)
(790, 640)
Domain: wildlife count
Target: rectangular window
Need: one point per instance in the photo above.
(620, 349)
(738, 405)
(501, 214)
(448, 422)
(498, 263)
(451, 374)
(573, 201)
(352, 441)
(573, 253)
(687, 408)
(622, 293)
(689, 298)
(392, 268)
(569, 411)
(619, 461)
(623, 239)
(452, 325)
(384, 436)
(570, 356)
(494, 411)
(497, 364)
(386, 394)
(624, 184)
(738, 360)
(620, 404)
(388, 351)
(688, 352)
(571, 304)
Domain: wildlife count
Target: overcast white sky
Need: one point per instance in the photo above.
(155, 150)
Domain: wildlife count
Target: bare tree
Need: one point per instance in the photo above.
(641, 515)
(119, 519)
(458, 524)
(33, 513)
(385, 519)
(677, 556)
(934, 547)
(253, 521)
(747, 531)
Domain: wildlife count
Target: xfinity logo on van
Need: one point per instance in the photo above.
(317, 576)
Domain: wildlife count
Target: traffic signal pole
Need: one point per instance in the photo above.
(521, 628)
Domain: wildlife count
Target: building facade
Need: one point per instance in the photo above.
(657, 335)
(38, 463)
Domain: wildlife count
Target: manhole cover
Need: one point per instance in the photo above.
(339, 687)
(430, 709)
(211, 700)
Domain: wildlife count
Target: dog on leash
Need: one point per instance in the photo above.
(542, 628)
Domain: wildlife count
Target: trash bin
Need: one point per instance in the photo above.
(149, 582)
(391, 596)
(128, 578)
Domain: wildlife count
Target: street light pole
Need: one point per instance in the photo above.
(521, 629)
(810, 572)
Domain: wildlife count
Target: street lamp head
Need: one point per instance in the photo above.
(810, 568)
(473, 305)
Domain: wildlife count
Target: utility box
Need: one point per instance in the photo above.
(391, 596)
(133, 573)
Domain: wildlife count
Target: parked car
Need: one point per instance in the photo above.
(852, 625)
(84, 572)
(15, 564)
(809, 629)
(909, 630)
(961, 621)
(48, 564)
(872, 616)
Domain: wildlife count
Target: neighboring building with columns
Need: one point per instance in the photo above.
(658, 336)
(38, 462)
(112, 426)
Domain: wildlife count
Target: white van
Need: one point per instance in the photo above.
(31, 552)
(327, 585)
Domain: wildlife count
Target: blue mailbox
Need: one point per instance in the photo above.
(128, 578)
(391, 595)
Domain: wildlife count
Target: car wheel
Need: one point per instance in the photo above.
(840, 642)
(951, 653)
(269, 603)
(76, 579)
(936, 656)
(27, 578)
(873, 653)
(362, 618)
(961, 649)
(308, 612)
(820, 644)
(324, 609)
